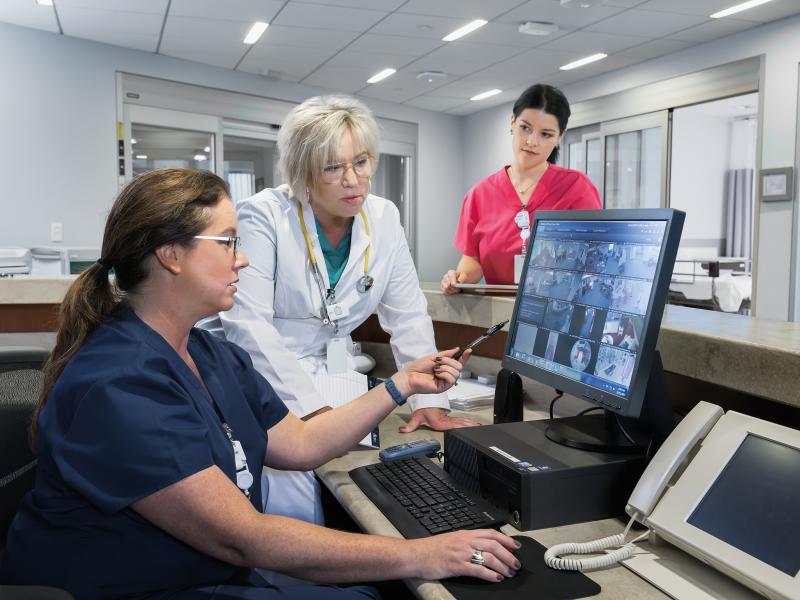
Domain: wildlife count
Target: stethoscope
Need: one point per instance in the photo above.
(364, 283)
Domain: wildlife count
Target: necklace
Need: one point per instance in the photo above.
(520, 191)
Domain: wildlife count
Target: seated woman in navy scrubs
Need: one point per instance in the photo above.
(151, 434)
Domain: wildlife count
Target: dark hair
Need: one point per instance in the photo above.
(549, 99)
(164, 206)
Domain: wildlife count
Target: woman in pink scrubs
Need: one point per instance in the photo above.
(497, 211)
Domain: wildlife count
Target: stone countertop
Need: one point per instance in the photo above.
(616, 582)
(756, 356)
(34, 290)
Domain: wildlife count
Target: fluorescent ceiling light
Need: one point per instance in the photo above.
(207, 149)
(133, 140)
(200, 157)
(738, 8)
(487, 94)
(255, 32)
(141, 156)
(381, 76)
(461, 32)
(44, 2)
(584, 61)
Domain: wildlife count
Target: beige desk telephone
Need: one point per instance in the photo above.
(725, 489)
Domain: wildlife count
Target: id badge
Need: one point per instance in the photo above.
(337, 355)
(519, 262)
(337, 311)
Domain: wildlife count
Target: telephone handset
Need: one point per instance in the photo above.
(670, 457)
(673, 454)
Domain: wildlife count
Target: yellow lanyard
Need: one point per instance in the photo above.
(311, 254)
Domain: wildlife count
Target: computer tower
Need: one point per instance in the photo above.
(538, 483)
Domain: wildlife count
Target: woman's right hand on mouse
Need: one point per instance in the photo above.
(450, 554)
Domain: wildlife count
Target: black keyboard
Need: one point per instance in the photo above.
(420, 499)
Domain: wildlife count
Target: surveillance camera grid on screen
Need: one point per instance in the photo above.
(584, 298)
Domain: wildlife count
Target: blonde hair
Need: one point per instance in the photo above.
(309, 138)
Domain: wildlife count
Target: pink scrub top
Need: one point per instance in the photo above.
(486, 228)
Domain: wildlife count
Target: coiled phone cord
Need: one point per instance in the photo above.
(552, 557)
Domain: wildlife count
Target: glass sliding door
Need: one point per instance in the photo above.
(394, 180)
(158, 147)
(635, 161)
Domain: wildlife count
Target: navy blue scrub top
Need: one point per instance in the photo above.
(127, 418)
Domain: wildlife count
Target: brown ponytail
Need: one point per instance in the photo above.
(160, 207)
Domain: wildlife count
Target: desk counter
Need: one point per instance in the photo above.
(750, 355)
(616, 582)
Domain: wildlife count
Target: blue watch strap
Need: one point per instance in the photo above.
(394, 392)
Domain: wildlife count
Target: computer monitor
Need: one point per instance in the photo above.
(587, 316)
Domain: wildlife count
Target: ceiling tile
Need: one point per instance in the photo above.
(406, 83)
(302, 36)
(434, 102)
(317, 16)
(285, 66)
(552, 11)
(612, 63)
(376, 61)
(646, 23)
(340, 79)
(230, 10)
(507, 34)
(711, 30)
(28, 14)
(213, 42)
(158, 7)
(591, 42)
(265, 53)
(624, 3)
(387, 5)
(417, 26)
(140, 30)
(461, 9)
(394, 44)
(656, 48)
(479, 56)
(777, 9)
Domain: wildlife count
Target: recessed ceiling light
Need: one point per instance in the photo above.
(44, 2)
(487, 94)
(207, 149)
(537, 28)
(381, 75)
(738, 8)
(424, 27)
(200, 157)
(258, 28)
(133, 140)
(141, 156)
(581, 3)
(583, 61)
(431, 76)
(462, 31)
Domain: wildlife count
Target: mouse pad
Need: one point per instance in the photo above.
(533, 580)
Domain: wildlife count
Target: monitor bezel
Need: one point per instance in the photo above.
(671, 515)
(632, 405)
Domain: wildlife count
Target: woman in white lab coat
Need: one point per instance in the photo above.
(324, 256)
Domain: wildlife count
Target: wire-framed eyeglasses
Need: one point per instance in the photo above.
(231, 241)
(334, 173)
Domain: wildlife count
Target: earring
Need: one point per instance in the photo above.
(511, 131)
(308, 195)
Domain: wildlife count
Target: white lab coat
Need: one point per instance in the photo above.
(276, 316)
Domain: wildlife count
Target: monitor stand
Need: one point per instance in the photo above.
(612, 433)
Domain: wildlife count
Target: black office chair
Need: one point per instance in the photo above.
(20, 383)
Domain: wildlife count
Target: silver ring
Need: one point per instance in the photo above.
(477, 558)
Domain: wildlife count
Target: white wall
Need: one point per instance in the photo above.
(58, 139)
(778, 44)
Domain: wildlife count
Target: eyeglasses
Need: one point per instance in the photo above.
(335, 173)
(233, 241)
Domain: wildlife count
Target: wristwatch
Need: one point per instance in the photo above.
(398, 398)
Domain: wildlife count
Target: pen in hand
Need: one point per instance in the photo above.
(489, 332)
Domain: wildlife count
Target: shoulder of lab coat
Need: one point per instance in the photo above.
(250, 322)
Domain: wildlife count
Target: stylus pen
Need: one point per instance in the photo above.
(473, 343)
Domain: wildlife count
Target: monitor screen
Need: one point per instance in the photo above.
(590, 302)
(756, 522)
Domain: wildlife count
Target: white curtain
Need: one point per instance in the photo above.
(739, 188)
